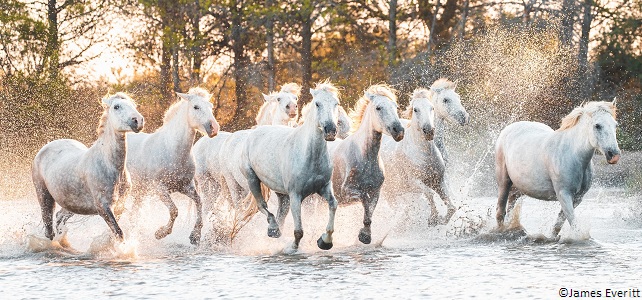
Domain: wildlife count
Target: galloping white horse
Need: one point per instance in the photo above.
(531, 159)
(295, 163)
(280, 108)
(358, 171)
(88, 181)
(162, 162)
(448, 107)
(217, 160)
(415, 162)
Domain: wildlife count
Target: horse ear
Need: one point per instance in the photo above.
(614, 101)
(107, 101)
(182, 95)
(436, 90)
(266, 98)
(313, 92)
(455, 84)
(370, 96)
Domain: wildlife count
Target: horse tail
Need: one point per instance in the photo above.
(250, 208)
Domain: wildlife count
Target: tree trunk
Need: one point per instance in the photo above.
(270, 48)
(464, 18)
(431, 37)
(175, 66)
(566, 32)
(306, 61)
(165, 74)
(583, 52)
(52, 50)
(392, 33)
(241, 118)
(197, 58)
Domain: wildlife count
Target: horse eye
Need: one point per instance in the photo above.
(317, 104)
(598, 126)
(378, 107)
(278, 99)
(196, 107)
(446, 100)
(117, 106)
(415, 110)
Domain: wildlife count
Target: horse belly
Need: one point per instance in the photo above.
(531, 178)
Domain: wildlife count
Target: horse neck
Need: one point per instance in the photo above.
(368, 139)
(416, 139)
(312, 136)
(111, 146)
(177, 132)
(576, 140)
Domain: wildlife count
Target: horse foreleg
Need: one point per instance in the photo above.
(105, 200)
(255, 188)
(284, 208)
(47, 206)
(163, 231)
(369, 204)
(442, 189)
(325, 241)
(566, 213)
(61, 219)
(190, 191)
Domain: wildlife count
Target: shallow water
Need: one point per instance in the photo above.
(411, 259)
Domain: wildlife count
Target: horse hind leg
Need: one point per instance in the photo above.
(190, 191)
(47, 206)
(255, 188)
(164, 231)
(504, 185)
(61, 219)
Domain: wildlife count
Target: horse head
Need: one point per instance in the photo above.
(381, 104)
(602, 132)
(447, 102)
(422, 113)
(324, 109)
(199, 111)
(121, 113)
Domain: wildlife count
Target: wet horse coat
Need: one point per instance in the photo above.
(88, 181)
(531, 159)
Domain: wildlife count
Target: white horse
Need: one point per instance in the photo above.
(448, 107)
(162, 162)
(415, 162)
(533, 160)
(358, 171)
(295, 163)
(88, 181)
(218, 159)
(280, 107)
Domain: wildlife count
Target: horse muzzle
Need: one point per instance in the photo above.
(429, 132)
(330, 132)
(397, 132)
(464, 118)
(612, 157)
(137, 125)
(212, 128)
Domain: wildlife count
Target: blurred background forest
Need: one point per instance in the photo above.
(513, 60)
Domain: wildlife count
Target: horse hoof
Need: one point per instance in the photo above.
(365, 238)
(194, 239)
(274, 233)
(323, 245)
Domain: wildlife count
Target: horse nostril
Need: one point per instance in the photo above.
(135, 121)
(609, 153)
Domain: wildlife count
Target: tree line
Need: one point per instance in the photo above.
(591, 48)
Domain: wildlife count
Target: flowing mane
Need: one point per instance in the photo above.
(292, 88)
(420, 93)
(360, 107)
(588, 108)
(105, 115)
(443, 83)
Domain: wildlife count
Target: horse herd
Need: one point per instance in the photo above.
(344, 158)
